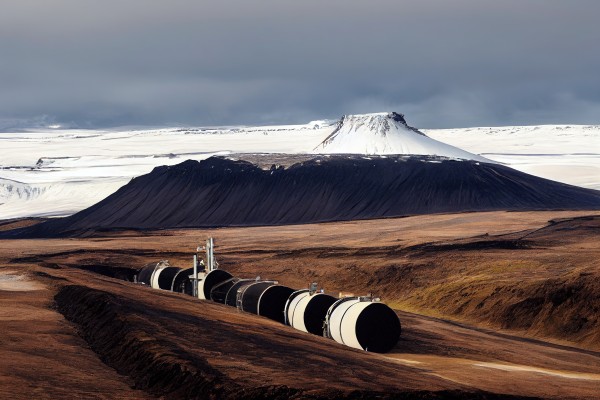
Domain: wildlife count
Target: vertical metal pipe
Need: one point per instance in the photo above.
(208, 264)
(210, 259)
(195, 280)
(212, 254)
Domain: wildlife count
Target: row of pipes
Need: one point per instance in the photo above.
(359, 322)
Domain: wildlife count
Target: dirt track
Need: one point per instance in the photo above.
(45, 355)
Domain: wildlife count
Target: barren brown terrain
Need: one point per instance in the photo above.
(492, 305)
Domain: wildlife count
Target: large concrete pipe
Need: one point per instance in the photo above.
(248, 296)
(292, 303)
(219, 292)
(265, 298)
(163, 278)
(271, 303)
(213, 278)
(144, 275)
(155, 275)
(363, 324)
(182, 282)
(315, 310)
(159, 267)
(232, 294)
(309, 311)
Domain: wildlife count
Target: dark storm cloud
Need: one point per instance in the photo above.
(443, 63)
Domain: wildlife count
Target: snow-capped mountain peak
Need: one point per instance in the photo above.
(386, 133)
(377, 123)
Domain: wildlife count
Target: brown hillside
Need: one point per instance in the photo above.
(500, 302)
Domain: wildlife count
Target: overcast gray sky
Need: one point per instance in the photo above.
(443, 63)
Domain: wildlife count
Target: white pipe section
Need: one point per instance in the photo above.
(335, 318)
(155, 275)
(293, 315)
(200, 289)
(342, 321)
(297, 318)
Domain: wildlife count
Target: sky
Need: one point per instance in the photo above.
(444, 64)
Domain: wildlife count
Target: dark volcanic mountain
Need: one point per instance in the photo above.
(225, 192)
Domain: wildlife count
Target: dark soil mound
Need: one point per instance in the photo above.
(224, 192)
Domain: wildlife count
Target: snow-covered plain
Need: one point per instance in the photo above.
(59, 172)
(564, 153)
